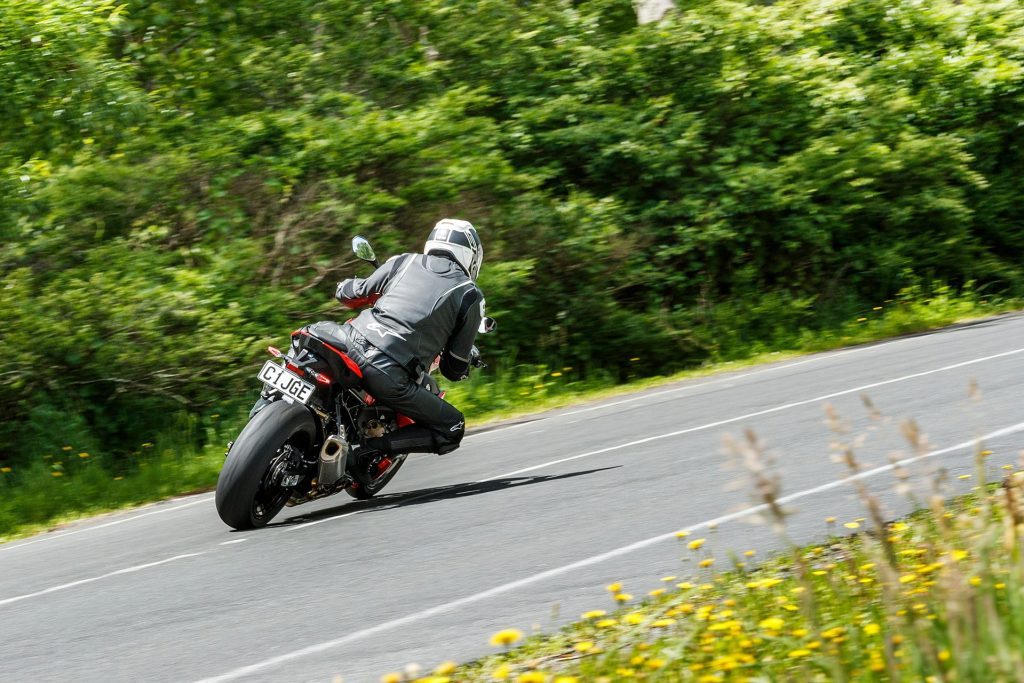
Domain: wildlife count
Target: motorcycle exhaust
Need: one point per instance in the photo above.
(333, 457)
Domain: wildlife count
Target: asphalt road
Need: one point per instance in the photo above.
(522, 527)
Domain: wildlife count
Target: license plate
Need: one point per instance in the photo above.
(289, 384)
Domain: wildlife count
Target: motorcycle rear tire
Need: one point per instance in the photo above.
(244, 499)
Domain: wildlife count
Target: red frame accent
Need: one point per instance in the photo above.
(344, 356)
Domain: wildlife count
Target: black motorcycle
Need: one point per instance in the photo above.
(312, 408)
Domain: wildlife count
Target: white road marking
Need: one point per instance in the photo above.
(698, 428)
(586, 562)
(64, 586)
(54, 537)
(728, 380)
(237, 540)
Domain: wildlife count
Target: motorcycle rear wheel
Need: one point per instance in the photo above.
(246, 497)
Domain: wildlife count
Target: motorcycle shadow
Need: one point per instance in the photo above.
(433, 495)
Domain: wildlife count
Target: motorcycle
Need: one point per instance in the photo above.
(312, 409)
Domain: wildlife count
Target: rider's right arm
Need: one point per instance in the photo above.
(359, 292)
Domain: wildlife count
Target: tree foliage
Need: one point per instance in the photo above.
(179, 179)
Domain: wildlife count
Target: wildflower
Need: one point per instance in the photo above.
(852, 525)
(118, 478)
(145, 445)
(637, 660)
(393, 677)
(501, 673)
(57, 474)
(606, 623)
(872, 629)
(799, 632)
(830, 520)
(662, 623)
(707, 562)
(656, 664)
(908, 578)
(445, 668)
(624, 672)
(434, 679)
(584, 646)
(613, 587)
(532, 677)
(656, 592)
(594, 614)
(974, 581)
(750, 553)
(685, 585)
(634, 618)
(958, 555)
(1000, 586)
(506, 637)
(695, 544)
(622, 597)
(668, 579)
(944, 655)
(83, 455)
(65, 448)
(5, 470)
(567, 679)
(796, 654)
(556, 374)
(985, 453)
(772, 623)
(682, 534)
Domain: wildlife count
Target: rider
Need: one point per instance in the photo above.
(423, 305)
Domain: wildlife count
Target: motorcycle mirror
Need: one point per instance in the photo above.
(362, 249)
(488, 325)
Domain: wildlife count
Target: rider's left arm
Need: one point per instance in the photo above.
(358, 292)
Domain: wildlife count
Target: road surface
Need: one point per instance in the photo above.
(522, 527)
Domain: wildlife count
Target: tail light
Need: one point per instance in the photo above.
(321, 378)
(276, 353)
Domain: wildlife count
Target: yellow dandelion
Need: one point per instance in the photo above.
(796, 654)
(445, 668)
(656, 664)
(799, 632)
(944, 655)
(567, 679)
(594, 614)
(682, 534)
(56, 474)
(685, 585)
(584, 646)
(501, 673)
(974, 581)
(668, 579)
(606, 623)
(532, 677)
(852, 525)
(637, 660)
(656, 592)
(772, 623)
(750, 553)
(623, 672)
(662, 623)
(622, 597)
(695, 544)
(872, 629)
(65, 448)
(83, 455)
(613, 587)
(434, 679)
(707, 562)
(830, 520)
(506, 637)
(393, 677)
(634, 618)
(908, 578)
(1000, 586)
(5, 470)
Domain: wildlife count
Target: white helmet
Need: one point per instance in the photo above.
(460, 240)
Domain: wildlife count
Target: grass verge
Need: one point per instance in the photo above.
(937, 596)
(70, 484)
